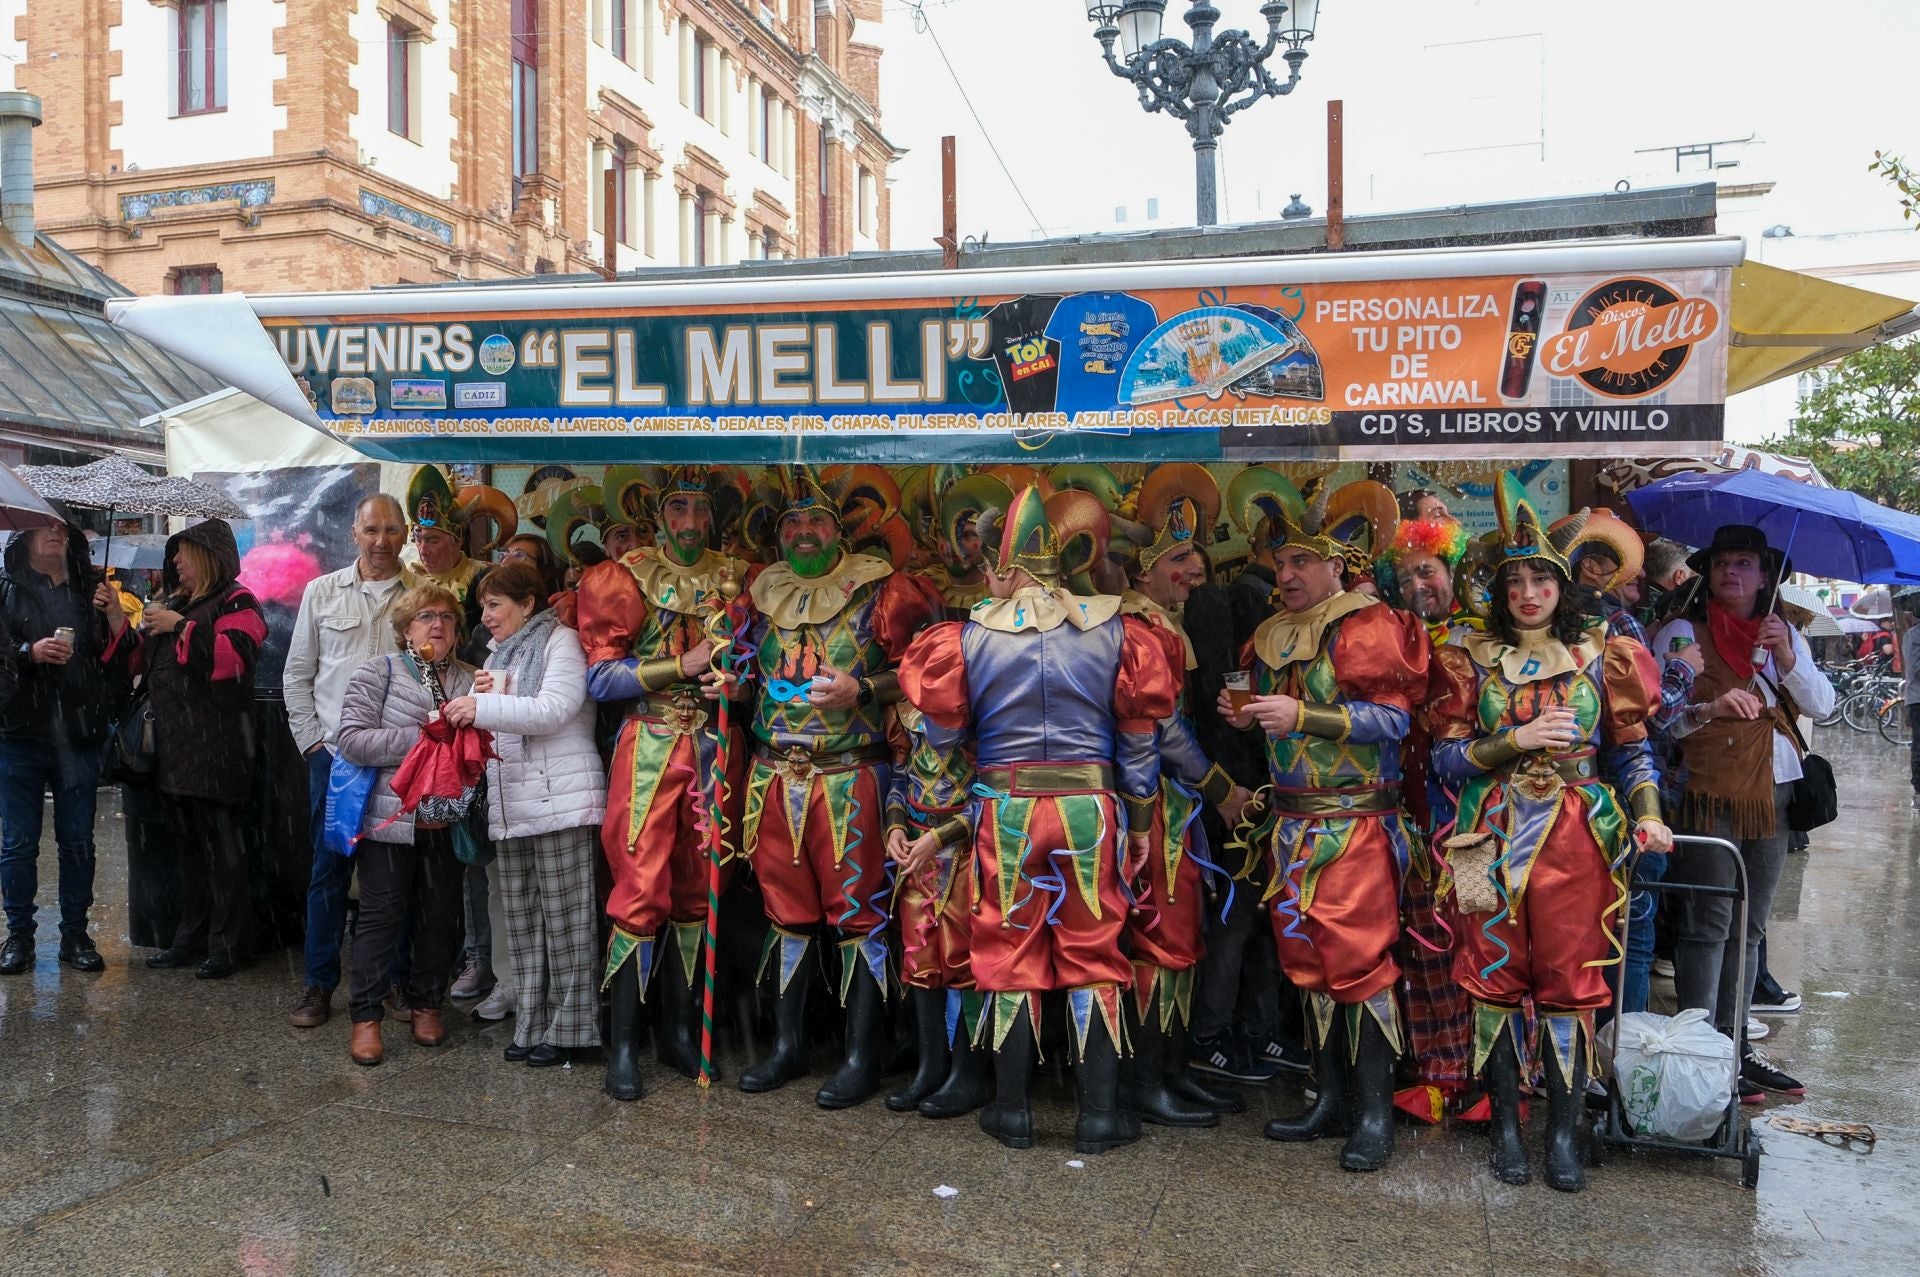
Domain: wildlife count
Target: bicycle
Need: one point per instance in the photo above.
(1896, 725)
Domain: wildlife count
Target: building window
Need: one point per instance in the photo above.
(826, 196)
(769, 126)
(769, 244)
(525, 42)
(702, 86)
(621, 162)
(700, 245)
(617, 29)
(868, 198)
(193, 281)
(201, 39)
(403, 53)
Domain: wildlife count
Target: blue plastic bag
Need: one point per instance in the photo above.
(349, 788)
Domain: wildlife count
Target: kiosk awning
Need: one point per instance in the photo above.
(1785, 322)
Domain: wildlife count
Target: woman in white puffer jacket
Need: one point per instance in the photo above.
(546, 795)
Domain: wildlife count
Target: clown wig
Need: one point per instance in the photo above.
(1445, 539)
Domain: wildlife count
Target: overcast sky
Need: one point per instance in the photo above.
(1445, 103)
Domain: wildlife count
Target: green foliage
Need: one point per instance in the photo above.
(1904, 179)
(1862, 427)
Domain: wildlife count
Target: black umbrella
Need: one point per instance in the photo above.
(118, 486)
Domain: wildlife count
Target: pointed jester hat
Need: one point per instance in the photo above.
(433, 504)
(575, 516)
(1050, 538)
(1173, 507)
(1350, 523)
(964, 501)
(863, 499)
(1522, 537)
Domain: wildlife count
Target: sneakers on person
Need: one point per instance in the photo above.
(1756, 1070)
(313, 1008)
(1663, 967)
(474, 979)
(1228, 1055)
(1771, 999)
(1757, 1029)
(1290, 1057)
(497, 1005)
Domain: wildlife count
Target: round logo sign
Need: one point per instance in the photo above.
(1629, 337)
(496, 354)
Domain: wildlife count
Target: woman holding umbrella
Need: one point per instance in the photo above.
(198, 659)
(1740, 752)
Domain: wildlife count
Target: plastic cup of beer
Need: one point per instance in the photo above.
(1239, 685)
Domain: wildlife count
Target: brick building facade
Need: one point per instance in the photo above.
(296, 145)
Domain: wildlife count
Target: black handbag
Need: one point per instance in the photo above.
(1815, 798)
(131, 752)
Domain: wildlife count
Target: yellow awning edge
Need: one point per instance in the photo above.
(1785, 322)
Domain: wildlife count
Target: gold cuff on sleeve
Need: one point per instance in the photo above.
(1216, 785)
(660, 673)
(1644, 802)
(1493, 751)
(1140, 812)
(954, 831)
(1329, 722)
(885, 685)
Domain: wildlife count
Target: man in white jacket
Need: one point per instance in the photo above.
(344, 622)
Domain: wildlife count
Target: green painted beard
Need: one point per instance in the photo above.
(685, 555)
(813, 564)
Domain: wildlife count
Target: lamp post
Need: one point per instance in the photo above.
(1208, 82)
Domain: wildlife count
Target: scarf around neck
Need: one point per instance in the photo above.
(1735, 637)
(524, 652)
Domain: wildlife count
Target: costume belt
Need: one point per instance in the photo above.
(1032, 780)
(799, 765)
(1539, 775)
(684, 712)
(1355, 800)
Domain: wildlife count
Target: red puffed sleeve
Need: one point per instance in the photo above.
(611, 611)
(566, 606)
(1632, 680)
(906, 604)
(933, 675)
(1381, 655)
(1147, 687)
(1453, 695)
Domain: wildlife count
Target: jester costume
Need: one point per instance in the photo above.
(1171, 513)
(1059, 695)
(432, 503)
(931, 793)
(1340, 843)
(638, 617)
(1535, 872)
(817, 785)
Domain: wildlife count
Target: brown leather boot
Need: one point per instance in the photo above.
(365, 1046)
(313, 1008)
(427, 1029)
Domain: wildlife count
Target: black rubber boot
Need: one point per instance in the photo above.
(1371, 1144)
(1009, 1118)
(788, 1059)
(1104, 1125)
(966, 1086)
(678, 1046)
(858, 1076)
(1508, 1154)
(1143, 1078)
(930, 1032)
(623, 1037)
(1566, 1162)
(1185, 1083)
(1327, 1116)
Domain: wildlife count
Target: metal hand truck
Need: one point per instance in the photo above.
(1736, 1138)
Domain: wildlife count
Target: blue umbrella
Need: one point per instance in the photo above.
(1826, 531)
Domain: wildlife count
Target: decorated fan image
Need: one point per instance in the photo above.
(1201, 352)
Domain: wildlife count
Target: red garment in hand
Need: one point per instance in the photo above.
(444, 763)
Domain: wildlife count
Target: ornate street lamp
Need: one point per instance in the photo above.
(1208, 82)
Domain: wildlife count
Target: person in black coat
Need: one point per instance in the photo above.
(202, 642)
(69, 646)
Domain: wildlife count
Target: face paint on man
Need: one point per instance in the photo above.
(621, 539)
(688, 518)
(1173, 576)
(810, 541)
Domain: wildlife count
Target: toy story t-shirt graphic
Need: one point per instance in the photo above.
(1028, 360)
(1098, 333)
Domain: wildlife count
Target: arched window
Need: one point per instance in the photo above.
(525, 41)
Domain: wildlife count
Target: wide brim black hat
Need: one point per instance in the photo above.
(1742, 536)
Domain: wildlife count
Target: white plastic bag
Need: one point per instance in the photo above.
(1675, 1073)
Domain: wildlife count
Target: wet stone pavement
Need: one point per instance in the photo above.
(155, 1124)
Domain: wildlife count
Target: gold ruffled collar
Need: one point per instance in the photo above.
(1288, 637)
(673, 586)
(1538, 656)
(1040, 608)
(790, 600)
(1134, 603)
